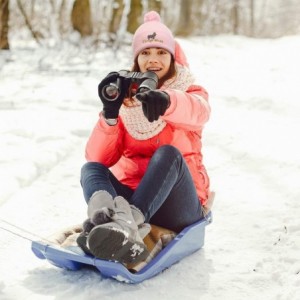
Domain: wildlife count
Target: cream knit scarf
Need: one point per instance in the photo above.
(133, 117)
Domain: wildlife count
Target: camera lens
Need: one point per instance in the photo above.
(146, 85)
(111, 92)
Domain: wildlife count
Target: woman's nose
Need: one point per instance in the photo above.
(153, 58)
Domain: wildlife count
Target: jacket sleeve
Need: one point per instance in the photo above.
(189, 110)
(105, 143)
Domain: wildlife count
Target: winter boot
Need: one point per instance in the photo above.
(100, 210)
(104, 215)
(119, 240)
(101, 201)
(144, 228)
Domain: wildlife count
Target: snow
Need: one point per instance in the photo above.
(49, 105)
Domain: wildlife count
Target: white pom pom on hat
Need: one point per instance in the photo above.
(153, 34)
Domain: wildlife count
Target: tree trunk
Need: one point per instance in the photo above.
(185, 24)
(134, 16)
(154, 5)
(235, 17)
(200, 16)
(4, 16)
(81, 17)
(117, 13)
(35, 34)
(252, 24)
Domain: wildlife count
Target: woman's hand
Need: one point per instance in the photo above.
(111, 107)
(154, 103)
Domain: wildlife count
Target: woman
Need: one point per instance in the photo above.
(144, 154)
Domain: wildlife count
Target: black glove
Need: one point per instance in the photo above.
(111, 108)
(154, 103)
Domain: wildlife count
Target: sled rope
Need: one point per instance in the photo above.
(20, 232)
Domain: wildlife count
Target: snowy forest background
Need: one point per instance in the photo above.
(108, 22)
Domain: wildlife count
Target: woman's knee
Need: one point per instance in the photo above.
(167, 151)
(91, 167)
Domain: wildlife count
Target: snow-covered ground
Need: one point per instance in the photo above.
(48, 106)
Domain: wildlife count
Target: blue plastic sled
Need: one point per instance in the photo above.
(185, 243)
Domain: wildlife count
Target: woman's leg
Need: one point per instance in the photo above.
(97, 177)
(167, 195)
(111, 232)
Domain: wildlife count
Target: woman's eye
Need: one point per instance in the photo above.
(162, 52)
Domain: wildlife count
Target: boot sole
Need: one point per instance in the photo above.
(110, 244)
(82, 243)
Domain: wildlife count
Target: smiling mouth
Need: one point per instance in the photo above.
(154, 69)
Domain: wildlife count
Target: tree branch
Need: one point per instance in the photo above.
(27, 22)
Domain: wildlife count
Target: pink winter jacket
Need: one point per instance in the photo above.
(128, 158)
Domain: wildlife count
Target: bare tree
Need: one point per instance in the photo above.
(110, 21)
(81, 17)
(235, 17)
(134, 16)
(4, 16)
(118, 7)
(154, 5)
(252, 24)
(61, 18)
(185, 25)
(35, 34)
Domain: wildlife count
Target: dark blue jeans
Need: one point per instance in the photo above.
(166, 194)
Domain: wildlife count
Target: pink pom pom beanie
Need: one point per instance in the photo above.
(153, 34)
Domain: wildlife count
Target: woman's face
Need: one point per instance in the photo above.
(157, 60)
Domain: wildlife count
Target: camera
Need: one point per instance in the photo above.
(145, 81)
